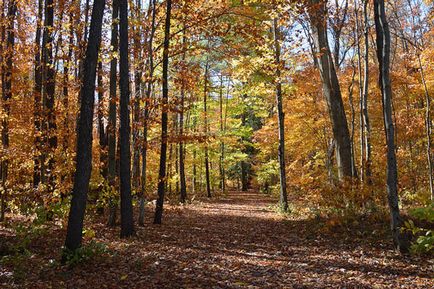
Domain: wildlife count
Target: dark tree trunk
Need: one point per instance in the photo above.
(164, 100)
(366, 121)
(101, 130)
(48, 87)
(138, 70)
(383, 55)
(152, 6)
(182, 182)
(84, 136)
(331, 88)
(222, 143)
(127, 223)
(280, 119)
(205, 97)
(111, 127)
(37, 88)
(65, 84)
(6, 78)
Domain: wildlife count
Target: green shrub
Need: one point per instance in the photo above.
(84, 253)
(424, 238)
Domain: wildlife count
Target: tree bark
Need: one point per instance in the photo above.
(111, 126)
(164, 118)
(182, 182)
(222, 143)
(48, 87)
(205, 111)
(152, 6)
(138, 69)
(6, 98)
(101, 128)
(366, 121)
(280, 119)
(383, 55)
(37, 88)
(127, 223)
(84, 136)
(428, 127)
(331, 88)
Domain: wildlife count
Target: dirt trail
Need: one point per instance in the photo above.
(237, 241)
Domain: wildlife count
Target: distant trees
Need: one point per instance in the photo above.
(248, 108)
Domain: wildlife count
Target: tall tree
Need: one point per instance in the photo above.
(138, 70)
(331, 88)
(182, 182)
(48, 87)
(6, 78)
(164, 118)
(280, 117)
(152, 9)
(127, 222)
(222, 143)
(37, 98)
(102, 138)
(111, 126)
(366, 122)
(205, 113)
(383, 56)
(83, 165)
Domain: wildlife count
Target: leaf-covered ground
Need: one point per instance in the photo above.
(235, 241)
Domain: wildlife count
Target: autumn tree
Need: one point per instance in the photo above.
(164, 118)
(127, 223)
(84, 132)
(331, 88)
(383, 55)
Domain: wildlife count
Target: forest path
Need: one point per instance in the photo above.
(235, 241)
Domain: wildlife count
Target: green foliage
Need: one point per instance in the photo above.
(424, 241)
(107, 195)
(16, 255)
(268, 176)
(425, 214)
(84, 253)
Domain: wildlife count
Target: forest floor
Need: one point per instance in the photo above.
(236, 241)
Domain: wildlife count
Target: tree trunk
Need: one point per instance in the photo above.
(359, 68)
(353, 115)
(138, 69)
(152, 6)
(127, 223)
(280, 118)
(84, 136)
(366, 121)
(222, 143)
(182, 182)
(101, 129)
(6, 98)
(331, 88)
(165, 97)
(383, 55)
(205, 97)
(65, 84)
(111, 127)
(428, 127)
(48, 87)
(37, 88)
